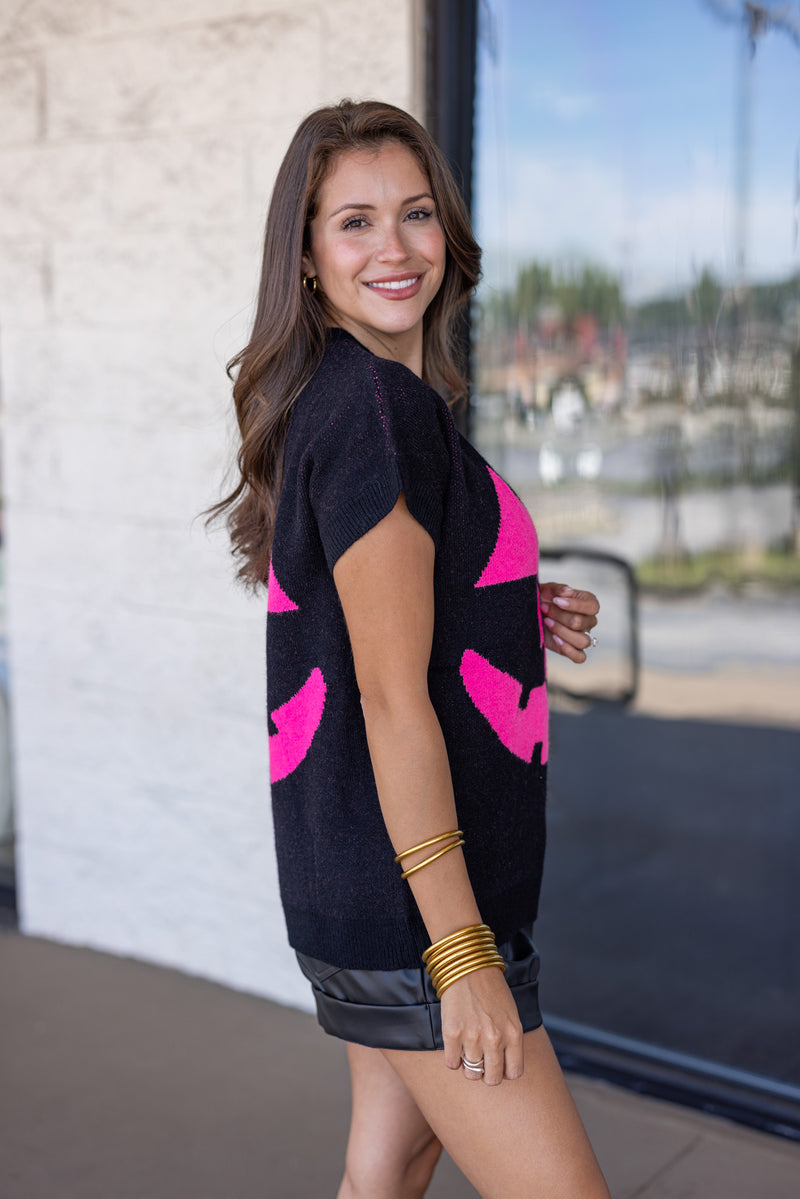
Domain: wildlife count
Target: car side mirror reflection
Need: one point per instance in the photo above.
(610, 673)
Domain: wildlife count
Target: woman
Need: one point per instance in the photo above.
(406, 638)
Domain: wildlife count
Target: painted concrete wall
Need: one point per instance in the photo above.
(138, 142)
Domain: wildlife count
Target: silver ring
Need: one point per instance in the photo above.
(592, 640)
(474, 1067)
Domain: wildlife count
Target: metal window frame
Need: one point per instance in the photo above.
(626, 695)
(749, 1099)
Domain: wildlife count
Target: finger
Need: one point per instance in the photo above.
(579, 621)
(452, 1050)
(576, 622)
(548, 590)
(474, 1056)
(578, 638)
(514, 1059)
(566, 639)
(493, 1062)
(582, 603)
(560, 645)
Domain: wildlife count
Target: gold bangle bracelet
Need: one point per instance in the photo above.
(441, 976)
(441, 984)
(461, 953)
(413, 869)
(484, 941)
(488, 949)
(461, 932)
(424, 844)
(440, 969)
(480, 931)
(442, 981)
(469, 970)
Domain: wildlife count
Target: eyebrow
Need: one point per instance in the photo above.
(371, 207)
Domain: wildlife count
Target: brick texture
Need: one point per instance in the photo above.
(137, 149)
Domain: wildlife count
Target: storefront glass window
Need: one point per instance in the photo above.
(637, 380)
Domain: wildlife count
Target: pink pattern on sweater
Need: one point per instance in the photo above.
(496, 695)
(539, 614)
(516, 551)
(297, 722)
(277, 599)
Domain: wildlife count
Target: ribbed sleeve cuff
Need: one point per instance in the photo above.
(373, 502)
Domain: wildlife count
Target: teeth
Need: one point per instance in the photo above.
(398, 286)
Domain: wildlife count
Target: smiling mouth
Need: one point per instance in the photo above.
(396, 284)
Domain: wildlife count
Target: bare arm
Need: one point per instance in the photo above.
(385, 583)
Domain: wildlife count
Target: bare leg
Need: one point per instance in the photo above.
(391, 1151)
(522, 1138)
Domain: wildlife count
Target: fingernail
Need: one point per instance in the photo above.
(558, 640)
(562, 603)
(545, 608)
(548, 620)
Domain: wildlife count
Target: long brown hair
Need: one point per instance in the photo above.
(288, 336)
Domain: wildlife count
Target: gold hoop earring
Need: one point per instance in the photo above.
(313, 280)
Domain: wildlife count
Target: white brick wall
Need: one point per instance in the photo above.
(138, 142)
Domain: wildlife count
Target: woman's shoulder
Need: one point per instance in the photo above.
(361, 431)
(346, 360)
(355, 385)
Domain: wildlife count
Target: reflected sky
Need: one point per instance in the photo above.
(608, 130)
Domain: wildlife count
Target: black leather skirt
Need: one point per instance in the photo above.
(398, 1009)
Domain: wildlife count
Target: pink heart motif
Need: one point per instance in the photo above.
(497, 697)
(297, 722)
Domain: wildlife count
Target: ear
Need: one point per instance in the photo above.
(308, 265)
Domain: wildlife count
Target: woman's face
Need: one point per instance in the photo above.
(378, 250)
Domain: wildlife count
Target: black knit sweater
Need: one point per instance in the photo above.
(363, 430)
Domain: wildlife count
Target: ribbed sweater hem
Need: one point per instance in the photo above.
(362, 944)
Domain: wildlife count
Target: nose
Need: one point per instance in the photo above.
(393, 247)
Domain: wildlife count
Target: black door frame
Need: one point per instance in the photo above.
(451, 48)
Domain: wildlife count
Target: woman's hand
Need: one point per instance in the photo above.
(568, 617)
(480, 1022)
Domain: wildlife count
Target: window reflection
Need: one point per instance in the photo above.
(638, 382)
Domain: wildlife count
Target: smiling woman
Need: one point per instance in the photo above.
(378, 250)
(406, 670)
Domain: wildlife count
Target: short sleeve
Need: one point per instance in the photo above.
(383, 431)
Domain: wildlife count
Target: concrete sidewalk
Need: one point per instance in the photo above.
(122, 1080)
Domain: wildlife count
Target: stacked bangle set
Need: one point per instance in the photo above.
(464, 951)
(471, 948)
(459, 840)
